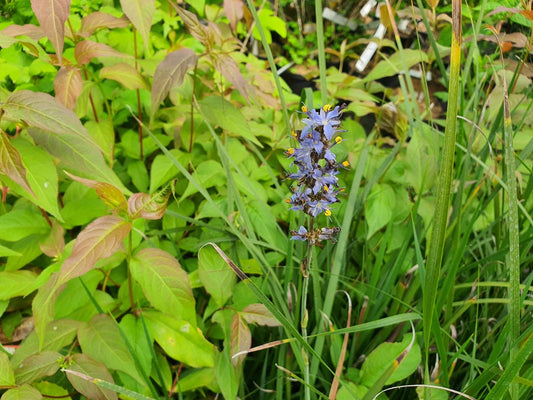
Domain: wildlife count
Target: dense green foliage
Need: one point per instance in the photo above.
(145, 226)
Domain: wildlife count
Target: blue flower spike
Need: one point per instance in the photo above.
(316, 186)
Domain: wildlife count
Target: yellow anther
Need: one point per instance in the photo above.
(338, 139)
(287, 200)
(326, 189)
(345, 164)
(290, 151)
(304, 109)
(327, 107)
(294, 135)
(327, 213)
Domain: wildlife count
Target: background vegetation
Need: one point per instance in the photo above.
(144, 224)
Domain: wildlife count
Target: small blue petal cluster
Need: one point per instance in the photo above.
(316, 180)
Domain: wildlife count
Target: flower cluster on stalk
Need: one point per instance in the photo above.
(316, 186)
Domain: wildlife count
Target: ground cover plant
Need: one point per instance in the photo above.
(177, 221)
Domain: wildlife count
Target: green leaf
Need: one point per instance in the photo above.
(227, 378)
(100, 339)
(133, 330)
(22, 222)
(216, 276)
(221, 112)
(180, 340)
(165, 284)
(84, 364)
(208, 174)
(52, 15)
(100, 239)
(37, 366)
(163, 170)
(126, 75)
(16, 283)
(396, 64)
(24, 392)
(379, 207)
(43, 306)
(257, 313)
(140, 13)
(7, 377)
(197, 379)
(109, 194)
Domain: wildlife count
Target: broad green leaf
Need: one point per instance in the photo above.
(148, 206)
(11, 163)
(42, 111)
(86, 50)
(170, 73)
(197, 379)
(221, 112)
(54, 243)
(29, 249)
(52, 15)
(180, 340)
(37, 366)
(396, 64)
(226, 376)
(16, 283)
(84, 364)
(103, 133)
(41, 173)
(133, 329)
(98, 240)
(164, 283)
(217, 277)
(124, 74)
(7, 252)
(140, 13)
(7, 377)
(67, 86)
(383, 357)
(379, 207)
(97, 20)
(208, 174)
(57, 335)
(77, 156)
(51, 390)
(22, 222)
(163, 170)
(241, 339)
(24, 392)
(109, 194)
(43, 306)
(257, 313)
(100, 339)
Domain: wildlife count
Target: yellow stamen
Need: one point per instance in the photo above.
(294, 135)
(345, 164)
(326, 189)
(290, 151)
(338, 139)
(287, 200)
(304, 109)
(327, 213)
(327, 107)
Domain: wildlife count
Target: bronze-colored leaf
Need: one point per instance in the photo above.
(11, 163)
(54, 243)
(125, 74)
(140, 13)
(109, 194)
(228, 67)
(32, 31)
(234, 10)
(37, 366)
(97, 20)
(169, 73)
(142, 205)
(196, 29)
(52, 15)
(86, 50)
(240, 339)
(83, 364)
(100, 239)
(68, 85)
(257, 313)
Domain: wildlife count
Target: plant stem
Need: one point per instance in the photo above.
(304, 315)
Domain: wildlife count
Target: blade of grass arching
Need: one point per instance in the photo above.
(271, 63)
(319, 23)
(353, 204)
(438, 233)
(513, 257)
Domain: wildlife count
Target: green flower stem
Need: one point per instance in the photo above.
(304, 315)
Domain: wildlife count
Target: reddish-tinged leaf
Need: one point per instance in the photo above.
(29, 30)
(142, 205)
(11, 163)
(84, 364)
(86, 50)
(140, 13)
(97, 20)
(234, 10)
(54, 244)
(37, 366)
(228, 67)
(52, 15)
(528, 14)
(240, 339)
(503, 9)
(42, 111)
(108, 193)
(68, 85)
(165, 284)
(169, 73)
(258, 314)
(100, 239)
(196, 29)
(125, 74)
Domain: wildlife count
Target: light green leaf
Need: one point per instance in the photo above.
(22, 222)
(24, 392)
(379, 207)
(7, 377)
(216, 276)
(165, 284)
(82, 363)
(208, 174)
(100, 339)
(140, 13)
(16, 283)
(396, 64)
(126, 75)
(37, 366)
(180, 340)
